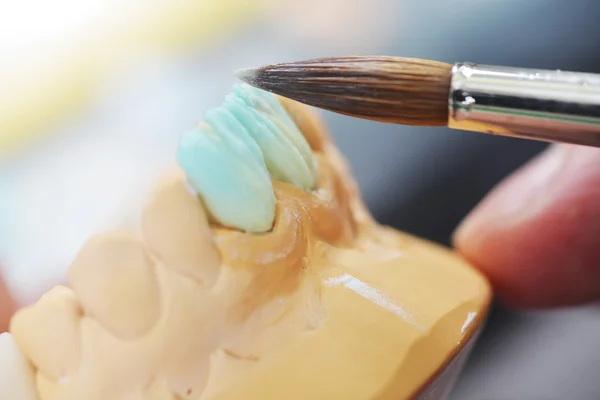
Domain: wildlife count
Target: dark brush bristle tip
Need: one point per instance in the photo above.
(388, 89)
(247, 75)
(265, 77)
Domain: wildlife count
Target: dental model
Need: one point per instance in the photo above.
(257, 274)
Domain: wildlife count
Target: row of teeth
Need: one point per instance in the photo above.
(231, 159)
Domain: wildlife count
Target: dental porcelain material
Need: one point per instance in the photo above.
(232, 157)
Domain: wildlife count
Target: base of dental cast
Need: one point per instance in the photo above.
(278, 288)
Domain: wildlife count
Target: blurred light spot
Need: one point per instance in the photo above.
(352, 22)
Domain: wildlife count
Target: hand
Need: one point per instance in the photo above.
(537, 235)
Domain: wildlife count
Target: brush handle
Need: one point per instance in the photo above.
(552, 106)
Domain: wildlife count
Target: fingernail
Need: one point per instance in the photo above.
(528, 189)
(520, 196)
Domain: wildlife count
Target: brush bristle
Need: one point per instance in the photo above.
(389, 89)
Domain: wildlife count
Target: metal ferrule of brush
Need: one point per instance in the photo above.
(535, 104)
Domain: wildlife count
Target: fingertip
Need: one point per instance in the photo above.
(536, 236)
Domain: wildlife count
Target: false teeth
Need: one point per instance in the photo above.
(230, 160)
(234, 186)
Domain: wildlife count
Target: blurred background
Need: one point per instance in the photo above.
(95, 93)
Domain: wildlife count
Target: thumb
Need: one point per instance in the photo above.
(537, 235)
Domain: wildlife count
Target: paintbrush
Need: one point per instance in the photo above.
(554, 106)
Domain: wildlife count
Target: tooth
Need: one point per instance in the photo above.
(284, 160)
(48, 333)
(17, 376)
(268, 104)
(177, 231)
(308, 122)
(229, 178)
(236, 136)
(115, 281)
